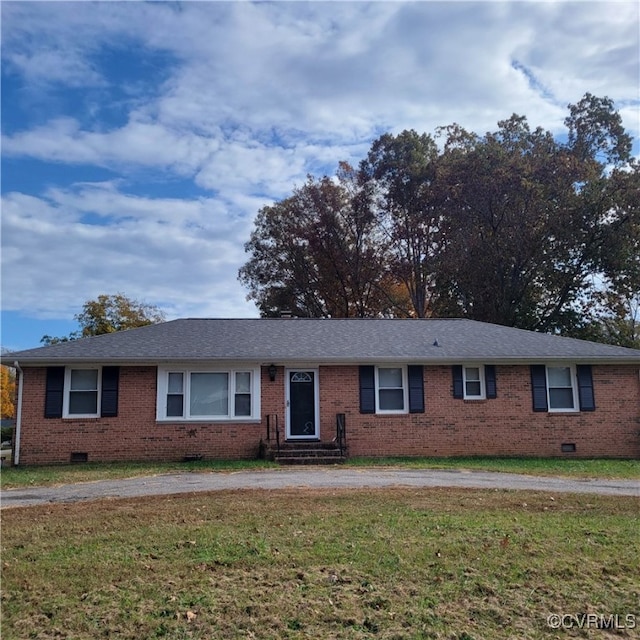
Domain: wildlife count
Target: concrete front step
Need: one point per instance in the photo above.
(306, 444)
(309, 460)
(307, 453)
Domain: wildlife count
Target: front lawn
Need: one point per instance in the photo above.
(573, 467)
(440, 563)
(12, 477)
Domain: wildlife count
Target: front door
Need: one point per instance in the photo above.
(302, 404)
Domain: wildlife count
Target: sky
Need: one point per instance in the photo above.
(140, 139)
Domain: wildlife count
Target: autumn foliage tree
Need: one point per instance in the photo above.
(521, 239)
(513, 227)
(108, 314)
(319, 253)
(400, 172)
(8, 392)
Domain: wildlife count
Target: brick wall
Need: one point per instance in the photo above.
(133, 435)
(449, 427)
(503, 426)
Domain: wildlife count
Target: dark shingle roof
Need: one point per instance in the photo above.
(308, 340)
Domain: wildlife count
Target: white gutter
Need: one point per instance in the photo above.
(16, 445)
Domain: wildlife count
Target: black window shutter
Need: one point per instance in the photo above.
(539, 387)
(109, 400)
(367, 389)
(585, 388)
(54, 392)
(416, 389)
(456, 373)
(490, 380)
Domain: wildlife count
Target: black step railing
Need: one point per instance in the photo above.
(273, 430)
(341, 433)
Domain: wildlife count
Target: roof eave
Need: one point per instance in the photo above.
(289, 361)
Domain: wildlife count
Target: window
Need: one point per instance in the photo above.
(390, 389)
(82, 393)
(243, 394)
(473, 383)
(208, 395)
(175, 394)
(561, 389)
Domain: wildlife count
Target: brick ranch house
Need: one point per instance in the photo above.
(212, 388)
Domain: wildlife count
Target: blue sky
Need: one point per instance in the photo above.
(139, 139)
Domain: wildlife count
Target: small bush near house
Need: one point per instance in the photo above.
(6, 434)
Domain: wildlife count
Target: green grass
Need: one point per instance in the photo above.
(48, 475)
(391, 564)
(576, 467)
(13, 477)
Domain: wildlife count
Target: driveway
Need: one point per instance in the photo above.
(308, 478)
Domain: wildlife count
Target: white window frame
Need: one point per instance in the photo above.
(183, 393)
(574, 389)
(186, 371)
(67, 393)
(405, 390)
(483, 386)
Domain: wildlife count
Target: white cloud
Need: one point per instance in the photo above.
(54, 66)
(161, 249)
(594, 48)
(138, 143)
(245, 100)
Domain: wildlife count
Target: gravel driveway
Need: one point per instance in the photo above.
(312, 478)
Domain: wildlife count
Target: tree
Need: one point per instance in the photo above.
(529, 223)
(318, 252)
(609, 192)
(506, 200)
(596, 134)
(8, 393)
(108, 314)
(513, 227)
(616, 307)
(400, 171)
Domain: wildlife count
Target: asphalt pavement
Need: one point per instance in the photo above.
(334, 477)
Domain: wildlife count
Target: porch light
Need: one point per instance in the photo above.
(272, 372)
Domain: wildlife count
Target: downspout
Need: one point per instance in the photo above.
(16, 445)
